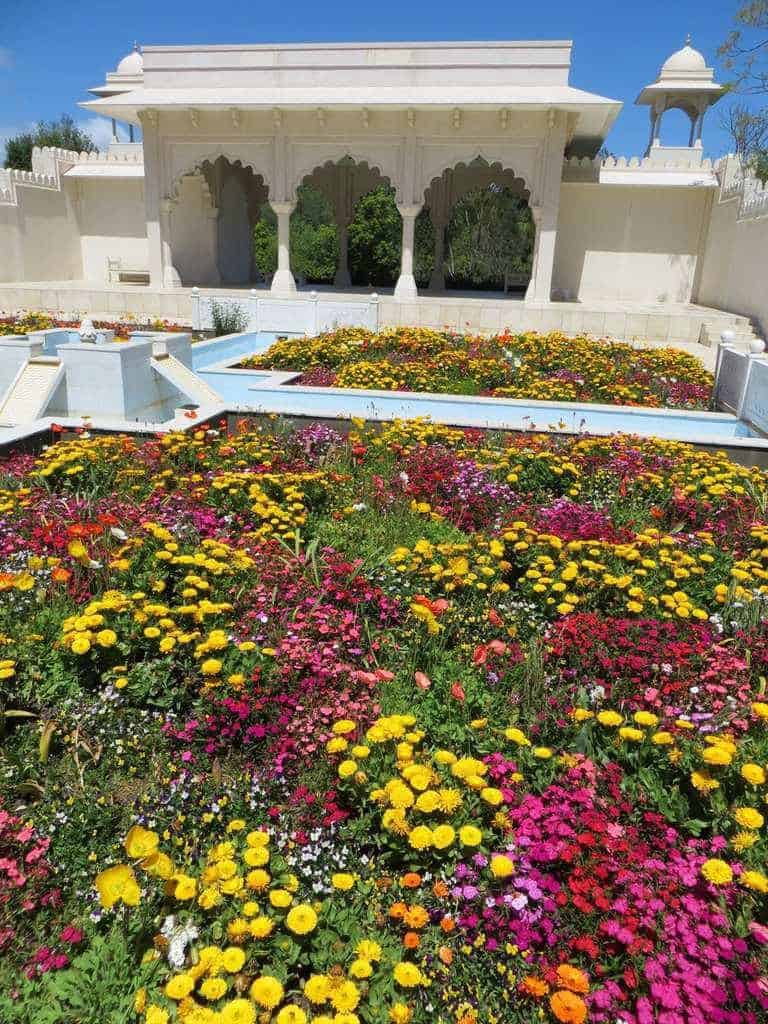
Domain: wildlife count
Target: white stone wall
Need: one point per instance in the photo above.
(734, 272)
(112, 224)
(632, 243)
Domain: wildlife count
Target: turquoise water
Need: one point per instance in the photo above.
(255, 391)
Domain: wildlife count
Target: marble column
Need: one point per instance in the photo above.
(405, 289)
(283, 282)
(171, 277)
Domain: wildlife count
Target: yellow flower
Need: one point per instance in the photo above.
(407, 974)
(502, 866)
(261, 927)
(662, 739)
(256, 856)
(754, 880)
(291, 1015)
(239, 1011)
(345, 996)
(518, 737)
(704, 782)
(184, 887)
(760, 709)
(753, 774)
(717, 755)
(543, 753)
(316, 989)
(420, 837)
(646, 719)
(360, 969)
(106, 638)
(258, 879)
(140, 842)
(744, 841)
(347, 769)
(280, 898)
(179, 986)
(211, 667)
(609, 718)
(236, 825)
(367, 949)
(116, 884)
(443, 837)
(748, 817)
(81, 645)
(156, 1015)
(213, 988)
(470, 835)
(632, 735)
(257, 838)
(400, 1013)
(267, 991)
(717, 871)
(342, 880)
(232, 959)
(301, 919)
(337, 745)
(582, 714)
(344, 726)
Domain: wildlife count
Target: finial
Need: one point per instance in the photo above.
(688, 39)
(136, 47)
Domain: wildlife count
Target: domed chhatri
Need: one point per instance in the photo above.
(686, 59)
(684, 83)
(132, 63)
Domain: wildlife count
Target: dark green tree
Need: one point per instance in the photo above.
(490, 235)
(314, 238)
(63, 133)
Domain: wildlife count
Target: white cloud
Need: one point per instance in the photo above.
(6, 59)
(99, 129)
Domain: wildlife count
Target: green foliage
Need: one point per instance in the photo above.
(375, 234)
(490, 234)
(98, 988)
(265, 245)
(228, 318)
(63, 133)
(314, 251)
(314, 238)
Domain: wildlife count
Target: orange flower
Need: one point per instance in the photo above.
(60, 575)
(415, 917)
(411, 880)
(535, 987)
(440, 889)
(447, 924)
(397, 911)
(411, 940)
(567, 1007)
(446, 955)
(572, 978)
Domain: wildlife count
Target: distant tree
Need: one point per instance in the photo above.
(490, 234)
(63, 134)
(745, 52)
(375, 235)
(314, 238)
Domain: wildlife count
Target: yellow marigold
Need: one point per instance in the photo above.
(291, 1015)
(517, 736)
(646, 719)
(748, 817)
(179, 986)
(213, 988)
(267, 991)
(470, 835)
(760, 709)
(632, 735)
(301, 919)
(704, 782)
(316, 989)
(407, 974)
(428, 802)
(280, 898)
(211, 667)
(337, 745)
(261, 927)
(443, 836)
(744, 841)
(156, 1015)
(256, 856)
(717, 755)
(344, 726)
(543, 753)
(717, 871)
(753, 773)
(184, 887)
(754, 880)
(400, 1013)
(106, 638)
(239, 1011)
(663, 739)
(232, 959)
(347, 768)
(258, 879)
(420, 837)
(342, 880)
(360, 969)
(258, 838)
(344, 996)
(582, 714)
(367, 949)
(572, 978)
(609, 718)
(502, 866)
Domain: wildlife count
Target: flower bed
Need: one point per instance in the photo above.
(409, 724)
(42, 322)
(548, 367)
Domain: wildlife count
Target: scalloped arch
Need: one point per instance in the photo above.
(305, 168)
(195, 166)
(496, 166)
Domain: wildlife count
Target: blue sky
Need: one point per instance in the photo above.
(50, 52)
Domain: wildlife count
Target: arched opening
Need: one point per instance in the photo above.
(484, 233)
(675, 129)
(215, 208)
(313, 239)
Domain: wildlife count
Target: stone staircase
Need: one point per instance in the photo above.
(31, 391)
(742, 327)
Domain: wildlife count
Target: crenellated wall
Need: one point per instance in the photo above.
(734, 271)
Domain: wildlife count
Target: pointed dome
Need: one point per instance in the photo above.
(132, 64)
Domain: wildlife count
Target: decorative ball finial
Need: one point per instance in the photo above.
(688, 39)
(137, 48)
